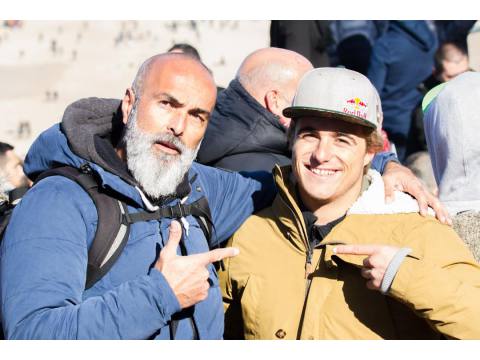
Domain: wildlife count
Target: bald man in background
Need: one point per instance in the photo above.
(247, 130)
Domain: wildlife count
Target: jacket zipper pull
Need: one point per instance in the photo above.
(308, 264)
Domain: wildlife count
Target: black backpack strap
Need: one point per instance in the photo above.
(82, 177)
(112, 230)
(199, 209)
(16, 194)
(110, 239)
(5, 214)
(201, 212)
(6, 208)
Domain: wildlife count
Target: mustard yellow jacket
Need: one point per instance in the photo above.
(435, 293)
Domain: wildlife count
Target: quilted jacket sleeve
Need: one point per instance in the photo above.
(43, 271)
(440, 280)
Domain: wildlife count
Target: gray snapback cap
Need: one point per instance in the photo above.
(335, 93)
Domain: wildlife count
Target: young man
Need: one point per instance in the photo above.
(306, 278)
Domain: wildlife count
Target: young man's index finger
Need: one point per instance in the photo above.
(355, 249)
(217, 255)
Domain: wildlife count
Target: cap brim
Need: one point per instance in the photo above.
(302, 111)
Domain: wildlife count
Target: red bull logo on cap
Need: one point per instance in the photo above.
(357, 102)
(356, 107)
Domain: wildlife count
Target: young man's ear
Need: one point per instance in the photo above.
(368, 158)
(127, 104)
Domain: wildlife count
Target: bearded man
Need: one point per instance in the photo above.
(148, 164)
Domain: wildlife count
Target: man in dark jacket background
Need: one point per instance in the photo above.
(247, 130)
(402, 58)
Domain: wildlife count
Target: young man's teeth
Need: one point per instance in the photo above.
(323, 172)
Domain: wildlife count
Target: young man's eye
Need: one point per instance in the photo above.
(344, 140)
(307, 136)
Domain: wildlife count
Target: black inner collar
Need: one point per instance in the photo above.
(316, 233)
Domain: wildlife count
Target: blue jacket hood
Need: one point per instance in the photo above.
(418, 32)
(451, 130)
(74, 142)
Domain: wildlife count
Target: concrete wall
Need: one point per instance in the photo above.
(46, 65)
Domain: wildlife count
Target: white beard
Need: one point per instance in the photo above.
(5, 188)
(158, 174)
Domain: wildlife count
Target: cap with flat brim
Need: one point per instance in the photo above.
(294, 112)
(336, 93)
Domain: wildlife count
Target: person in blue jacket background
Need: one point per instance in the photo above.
(401, 59)
(153, 284)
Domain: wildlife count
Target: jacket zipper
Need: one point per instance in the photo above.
(308, 270)
(308, 260)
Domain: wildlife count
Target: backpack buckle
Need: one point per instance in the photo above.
(86, 168)
(177, 211)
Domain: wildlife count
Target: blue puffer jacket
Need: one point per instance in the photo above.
(401, 59)
(44, 252)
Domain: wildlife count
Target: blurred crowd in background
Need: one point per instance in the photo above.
(403, 60)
